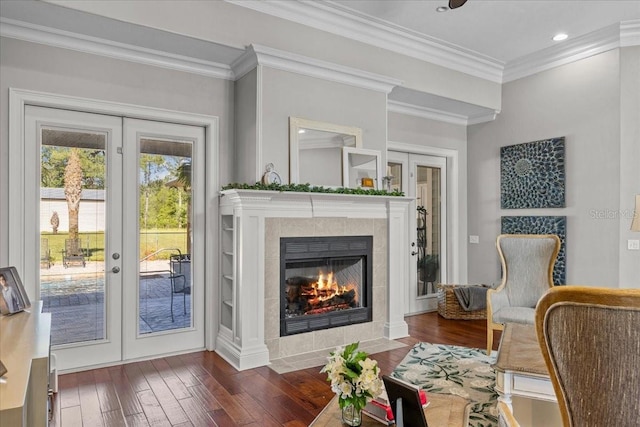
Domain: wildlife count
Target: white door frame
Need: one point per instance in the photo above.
(457, 229)
(413, 303)
(135, 344)
(23, 249)
(107, 349)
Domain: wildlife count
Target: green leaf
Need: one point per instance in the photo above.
(307, 188)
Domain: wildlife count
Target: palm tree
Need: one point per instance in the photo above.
(73, 190)
(184, 178)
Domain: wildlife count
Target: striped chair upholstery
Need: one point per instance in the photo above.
(527, 273)
(590, 340)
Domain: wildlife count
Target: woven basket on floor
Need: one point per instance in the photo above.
(449, 307)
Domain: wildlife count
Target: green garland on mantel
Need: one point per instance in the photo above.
(308, 188)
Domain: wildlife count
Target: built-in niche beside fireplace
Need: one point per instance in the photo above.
(325, 282)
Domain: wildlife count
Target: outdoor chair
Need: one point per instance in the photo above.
(45, 253)
(73, 253)
(590, 342)
(527, 273)
(180, 275)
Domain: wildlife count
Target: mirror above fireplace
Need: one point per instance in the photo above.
(315, 151)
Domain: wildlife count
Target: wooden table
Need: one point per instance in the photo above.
(445, 410)
(24, 349)
(520, 367)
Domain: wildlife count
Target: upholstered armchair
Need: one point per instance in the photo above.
(527, 273)
(590, 341)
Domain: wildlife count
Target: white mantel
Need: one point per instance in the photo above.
(255, 215)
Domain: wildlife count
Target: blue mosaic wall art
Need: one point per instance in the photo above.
(542, 225)
(532, 175)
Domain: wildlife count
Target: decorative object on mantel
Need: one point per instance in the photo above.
(308, 188)
(386, 182)
(355, 379)
(271, 176)
(532, 175)
(635, 224)
(542, 225)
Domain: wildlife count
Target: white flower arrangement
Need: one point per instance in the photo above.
(354, 377)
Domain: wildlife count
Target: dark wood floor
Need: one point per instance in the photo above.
(201, 389)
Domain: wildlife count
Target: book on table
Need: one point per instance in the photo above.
(380, 410)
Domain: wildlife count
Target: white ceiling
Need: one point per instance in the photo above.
(502, 30)
(498, 40)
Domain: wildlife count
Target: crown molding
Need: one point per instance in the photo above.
(262, 55)
(68, 40)
(623, 34)
(441, 115)
(336, 19)
(630, 33)
(426, 112)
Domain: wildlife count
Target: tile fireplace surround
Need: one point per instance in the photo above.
(260, 219)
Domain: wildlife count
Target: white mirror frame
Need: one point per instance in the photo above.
(296, 124)
(348, 171)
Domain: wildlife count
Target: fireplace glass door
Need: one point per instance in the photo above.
(324, 283)
(323, 286)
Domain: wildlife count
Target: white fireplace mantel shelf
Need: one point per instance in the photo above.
(309, 204)
(241, 337)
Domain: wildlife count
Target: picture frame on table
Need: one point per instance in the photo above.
(13, 297)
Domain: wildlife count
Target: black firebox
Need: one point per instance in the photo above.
(325, 282)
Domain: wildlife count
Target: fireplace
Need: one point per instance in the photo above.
(325, 282)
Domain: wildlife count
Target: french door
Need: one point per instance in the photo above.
(117, 209)
(423, 178)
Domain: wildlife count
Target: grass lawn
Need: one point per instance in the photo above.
(150, 241)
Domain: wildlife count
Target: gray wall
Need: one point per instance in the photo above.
(246, 132)
(36, 67)
(582, 102)
(629, 160)
(286, 94)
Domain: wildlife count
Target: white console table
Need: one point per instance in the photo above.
(520, 368)
(24, 350)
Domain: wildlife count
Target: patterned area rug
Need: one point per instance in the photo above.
(462, 371)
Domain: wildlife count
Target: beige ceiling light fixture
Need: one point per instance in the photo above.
(560, 36)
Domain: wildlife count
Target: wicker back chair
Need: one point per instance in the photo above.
(590, 341)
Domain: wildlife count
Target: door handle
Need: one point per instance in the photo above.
(115, 269)
(414, 253)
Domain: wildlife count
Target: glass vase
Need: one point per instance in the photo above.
(351, 416)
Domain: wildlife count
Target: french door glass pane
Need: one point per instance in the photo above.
(72, 226)
(428, 228)
(165, 235)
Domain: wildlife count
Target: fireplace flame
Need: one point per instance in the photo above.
(320, 294)
(325, 289)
